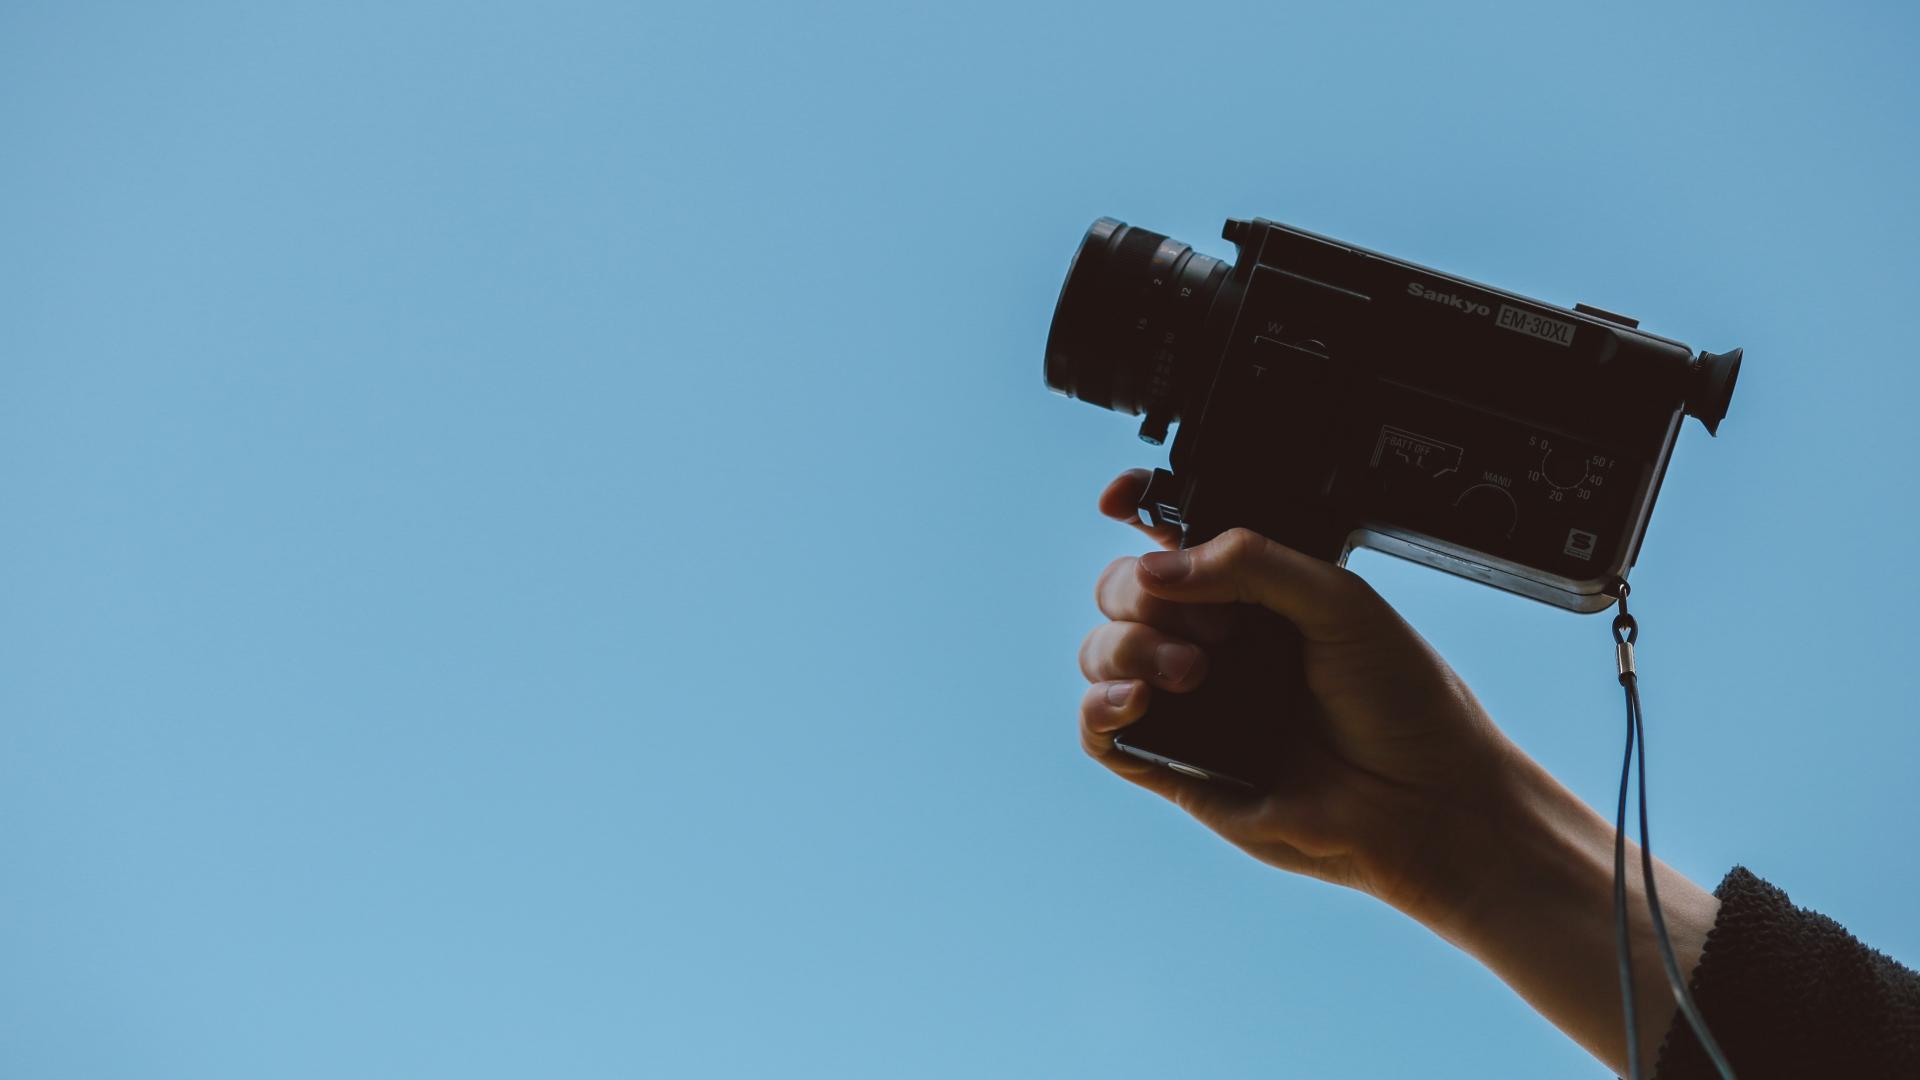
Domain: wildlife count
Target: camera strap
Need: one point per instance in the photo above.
(1626, 631)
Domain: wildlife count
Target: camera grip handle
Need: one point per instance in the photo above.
(1232, 726)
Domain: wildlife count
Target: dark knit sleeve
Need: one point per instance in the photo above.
(1788, 992)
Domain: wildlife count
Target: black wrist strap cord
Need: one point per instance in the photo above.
(1626, 630)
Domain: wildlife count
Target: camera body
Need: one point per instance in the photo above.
(1331, 398)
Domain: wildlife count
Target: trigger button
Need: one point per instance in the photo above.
(1163, 501)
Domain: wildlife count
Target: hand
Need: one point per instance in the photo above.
(1378, 772)
(1393, 781)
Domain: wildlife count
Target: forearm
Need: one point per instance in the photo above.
(1525, 885)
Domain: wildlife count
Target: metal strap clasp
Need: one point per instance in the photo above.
(1626, 630)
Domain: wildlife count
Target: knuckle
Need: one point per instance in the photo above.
(1108, 648)
(1090, 649)
(1243, 555)
(1133, 644)
(1094, 746)
(1241, 548)
(1120, 569)
(1119, 650)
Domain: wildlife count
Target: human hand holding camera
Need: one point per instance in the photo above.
(1395, 781)
(1392, 747)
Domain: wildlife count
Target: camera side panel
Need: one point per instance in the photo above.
(1340, 417)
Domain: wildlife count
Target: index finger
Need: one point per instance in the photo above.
(1121, 502)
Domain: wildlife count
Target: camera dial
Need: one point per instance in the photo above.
(1564, 469)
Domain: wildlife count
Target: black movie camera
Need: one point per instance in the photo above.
(1332, 398)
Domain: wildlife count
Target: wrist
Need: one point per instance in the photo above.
(1522, 880)
(1462, 858)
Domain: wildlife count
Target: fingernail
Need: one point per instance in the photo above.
(1118, 694)
(1166, 565)
(1174, 662)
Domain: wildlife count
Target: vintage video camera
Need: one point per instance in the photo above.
(1332, 398)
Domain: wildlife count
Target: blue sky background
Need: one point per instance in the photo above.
(535, 544)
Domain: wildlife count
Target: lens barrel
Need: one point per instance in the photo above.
(1129, 318)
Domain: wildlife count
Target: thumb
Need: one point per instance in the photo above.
(1327, 603)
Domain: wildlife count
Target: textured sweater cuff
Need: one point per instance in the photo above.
(1788, 992)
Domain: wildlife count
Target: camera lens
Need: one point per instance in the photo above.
(1130, 316)
(1710, 387)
